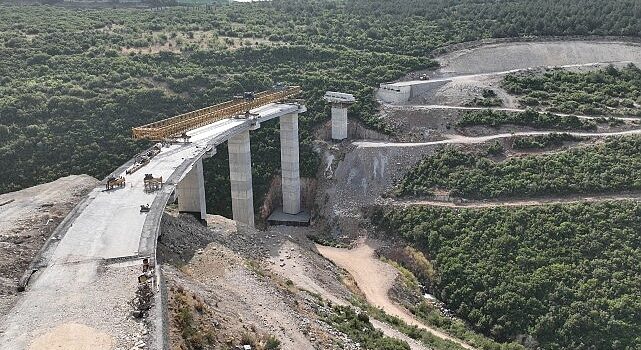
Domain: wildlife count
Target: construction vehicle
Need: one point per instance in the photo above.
(280, 86)
(176, 126)
(113, 182)
(246, 96)
(144, 159)
(144, 208)
(152, 183)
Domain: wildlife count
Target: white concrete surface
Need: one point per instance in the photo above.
(339, 97)
(289, 160)
(339, 122)
(240, 176)
(403, 91)
(89, 276)
(191, 191)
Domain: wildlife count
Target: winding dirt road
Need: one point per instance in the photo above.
(498, 109)
(461, 139)
(375, 278)
(636, 196)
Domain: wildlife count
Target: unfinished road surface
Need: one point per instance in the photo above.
(78, 296)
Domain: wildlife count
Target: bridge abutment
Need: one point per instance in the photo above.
(191, 192)
(289, 159)
(240, 175)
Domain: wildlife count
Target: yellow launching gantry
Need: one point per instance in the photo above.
(176, 126)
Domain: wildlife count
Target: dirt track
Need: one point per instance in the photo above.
(521, 203)
(375, 278)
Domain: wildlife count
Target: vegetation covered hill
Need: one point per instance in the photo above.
(609, 166)
(558, 276)
(602, 92)
(73, 81)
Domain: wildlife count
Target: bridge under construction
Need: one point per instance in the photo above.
(180, 124)
(105, 249)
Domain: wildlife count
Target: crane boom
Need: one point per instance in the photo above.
(176, 126)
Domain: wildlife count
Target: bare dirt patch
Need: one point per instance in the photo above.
(27, 219)
(72, 336)
(375, 278)
(508, 56)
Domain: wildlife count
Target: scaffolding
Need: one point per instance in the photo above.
(180, 124)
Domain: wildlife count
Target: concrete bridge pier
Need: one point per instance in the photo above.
(289, 159)
(191, 192)
(339, 122)
(240, 175)
(340, 102)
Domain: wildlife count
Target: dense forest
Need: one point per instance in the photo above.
(608, 166)
(74, 81)
(543, 141)
(560, 276)
(601, 92)
(530, 118)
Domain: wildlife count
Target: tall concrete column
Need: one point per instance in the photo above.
(339, 122)
(240, 175)
(289, 161)
(191, 191)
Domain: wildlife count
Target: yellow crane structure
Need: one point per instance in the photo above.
(180, 124)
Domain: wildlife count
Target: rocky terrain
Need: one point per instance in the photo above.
(240, 286)
(27, 219)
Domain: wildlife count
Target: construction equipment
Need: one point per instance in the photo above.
(176, 126)
(152, 183)
(142, 160)
(246, 96)
(113, 182)
(144, 208)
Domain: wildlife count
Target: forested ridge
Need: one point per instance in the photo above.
(554, 277)
(600, 92)
(74, 81)
(610, 166)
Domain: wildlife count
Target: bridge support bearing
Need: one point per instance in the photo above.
(240, 175)
(289, 159)
(191, 192)
(339, 122)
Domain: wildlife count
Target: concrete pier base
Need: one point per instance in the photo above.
(191, 192)
(289, 159)
(240, 174)
(339, 122)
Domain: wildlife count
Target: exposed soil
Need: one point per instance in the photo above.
(523, 55)
(375, 278)
(250, 283)
(27, 219)
(72, 336)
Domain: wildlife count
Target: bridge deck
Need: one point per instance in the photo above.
(88, 277)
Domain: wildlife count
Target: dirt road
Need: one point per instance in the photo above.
(520, 203)
(375, 278)
(499, 109)
(460, 139)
